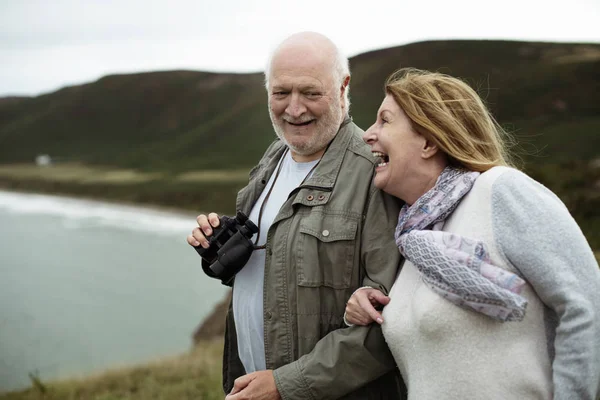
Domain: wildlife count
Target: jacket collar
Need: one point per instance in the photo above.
(326, 173)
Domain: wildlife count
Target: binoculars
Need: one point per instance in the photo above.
(229, 248)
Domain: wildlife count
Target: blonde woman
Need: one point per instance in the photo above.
(499, 294)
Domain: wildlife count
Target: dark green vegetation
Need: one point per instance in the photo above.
(546, 94)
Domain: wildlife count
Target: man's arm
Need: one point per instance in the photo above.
(348, 358)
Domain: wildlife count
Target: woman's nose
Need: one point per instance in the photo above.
(370, 135)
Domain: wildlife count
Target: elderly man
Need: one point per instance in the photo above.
(324, 230)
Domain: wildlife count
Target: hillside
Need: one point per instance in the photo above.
(160, 126)
(185, 120)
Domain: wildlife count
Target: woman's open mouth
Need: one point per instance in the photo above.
(381, 159)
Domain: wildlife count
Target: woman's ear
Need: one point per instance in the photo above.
(429, 149)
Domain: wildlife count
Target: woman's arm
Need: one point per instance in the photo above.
(539, 237)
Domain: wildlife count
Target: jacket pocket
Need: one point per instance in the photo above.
(326, 250)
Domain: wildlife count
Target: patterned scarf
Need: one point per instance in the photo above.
(456, 267)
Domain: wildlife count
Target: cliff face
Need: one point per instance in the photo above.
(213, 327)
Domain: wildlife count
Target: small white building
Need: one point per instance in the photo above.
(43, 160)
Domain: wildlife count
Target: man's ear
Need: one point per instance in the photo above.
(346, 82)
(429, 149)
(344, 87)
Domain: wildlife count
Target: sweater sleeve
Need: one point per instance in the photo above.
(540, 239)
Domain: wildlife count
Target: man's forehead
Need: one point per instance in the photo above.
(302, 61)
(298, 71)
(298, 80)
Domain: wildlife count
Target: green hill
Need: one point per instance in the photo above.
(169, 123)
(185, 120)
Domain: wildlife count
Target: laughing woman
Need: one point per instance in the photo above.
(500, 292)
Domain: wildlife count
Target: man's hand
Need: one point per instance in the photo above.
(360, 309)
(256, 386)
(204, 230)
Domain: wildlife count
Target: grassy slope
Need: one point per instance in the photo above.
(525, 85)
(154, 121)
(196, 375)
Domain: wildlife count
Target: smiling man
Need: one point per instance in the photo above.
(307, 102)
(324, 231)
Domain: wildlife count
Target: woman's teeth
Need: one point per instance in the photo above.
(381, 159)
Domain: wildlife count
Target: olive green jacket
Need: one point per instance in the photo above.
(334, 234)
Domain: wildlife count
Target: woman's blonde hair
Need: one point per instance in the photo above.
(450, 113)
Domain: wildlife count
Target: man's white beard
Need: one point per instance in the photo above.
(326, 129)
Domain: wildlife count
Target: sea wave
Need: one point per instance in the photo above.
(86, 214)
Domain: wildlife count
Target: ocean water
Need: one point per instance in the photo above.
(87, 285)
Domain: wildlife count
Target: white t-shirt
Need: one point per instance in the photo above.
(249, 282)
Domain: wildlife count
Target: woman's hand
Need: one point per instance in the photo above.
(360, 309)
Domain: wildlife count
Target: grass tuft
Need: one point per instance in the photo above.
(195, 375)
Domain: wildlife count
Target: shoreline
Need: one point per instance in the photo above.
(177, 197)
(132, 205)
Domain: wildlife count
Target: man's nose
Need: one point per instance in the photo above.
(296, 107)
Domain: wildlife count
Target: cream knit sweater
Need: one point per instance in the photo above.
(446, 352)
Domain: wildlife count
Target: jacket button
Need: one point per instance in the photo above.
(269, 315)
(310, 197)
(325, 233)
(321, 197)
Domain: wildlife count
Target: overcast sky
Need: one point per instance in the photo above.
(45, 45)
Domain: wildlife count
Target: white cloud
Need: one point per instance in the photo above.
(46, 45)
